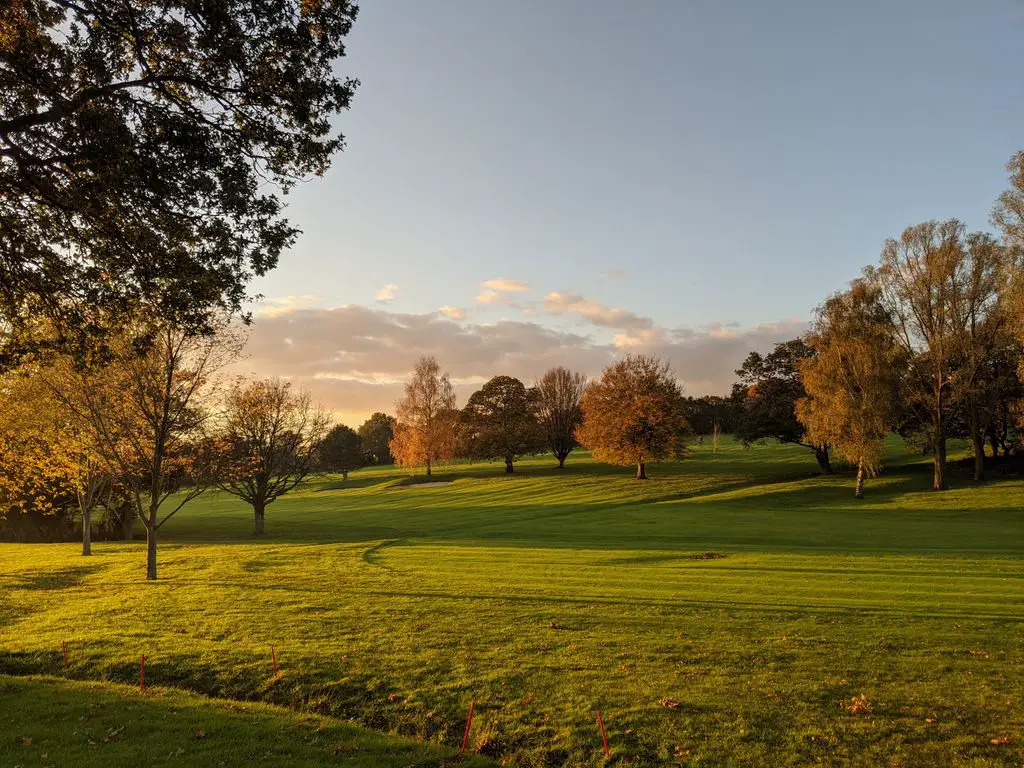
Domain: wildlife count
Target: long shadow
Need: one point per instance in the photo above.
(64, 578)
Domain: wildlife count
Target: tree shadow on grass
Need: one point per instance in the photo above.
(48, 580)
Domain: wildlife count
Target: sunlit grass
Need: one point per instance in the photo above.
(550, 594)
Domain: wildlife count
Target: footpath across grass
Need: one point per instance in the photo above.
(733, 610)
(48, 721)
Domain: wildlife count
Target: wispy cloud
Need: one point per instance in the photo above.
(455, 313)
(615, 273)
(497, 290)
(594, 311)
(277, 305)
(502, 285)
(386, 294)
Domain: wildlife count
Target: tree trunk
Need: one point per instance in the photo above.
(979, 456)
(428, 466)
(561, 460)
(993, 438)
(939, 479)
(859, 493)
(87, 532)
(641, 471)
(344, 475)
(259, 512)
(151, 552)
(509, 469)
(821, 455)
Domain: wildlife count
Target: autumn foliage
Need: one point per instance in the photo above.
(634, 414)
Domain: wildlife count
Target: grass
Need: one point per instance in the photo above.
(726, 612)
(45, 721)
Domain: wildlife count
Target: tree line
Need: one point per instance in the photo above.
(928, 342)
(149, 427)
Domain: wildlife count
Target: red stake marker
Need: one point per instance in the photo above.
(64, 647)
(142, 674)
(273, 656)
(600, 722)
(469, 724)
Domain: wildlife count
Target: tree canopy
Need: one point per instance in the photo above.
(634, 414)
(273, 434)
(376, 434)
(852, 380)
(766, 395)
(500, 422)
(558, 394)
(144, 148)
(342, 450)
(426, 418)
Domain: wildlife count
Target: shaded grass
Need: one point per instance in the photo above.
(550, 594)
(47, 721)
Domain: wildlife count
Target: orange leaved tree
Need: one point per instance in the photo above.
(634, 414)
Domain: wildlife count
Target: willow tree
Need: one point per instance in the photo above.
(424, 430)
(634, 414)
(852, 381)
(559, 392)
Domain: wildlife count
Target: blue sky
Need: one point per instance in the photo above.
(689, 170)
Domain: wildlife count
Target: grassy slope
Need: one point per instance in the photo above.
(45, 721)
(547, 595)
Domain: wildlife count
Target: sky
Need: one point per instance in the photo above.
(555, 182)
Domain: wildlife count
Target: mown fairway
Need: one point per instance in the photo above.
(548, 595)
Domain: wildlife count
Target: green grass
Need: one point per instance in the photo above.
(46, 721)
(550, 594)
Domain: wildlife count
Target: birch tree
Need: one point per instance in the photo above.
(852, 381)
(425, 418)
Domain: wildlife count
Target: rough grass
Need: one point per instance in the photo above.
(730, 611)
(45, 721)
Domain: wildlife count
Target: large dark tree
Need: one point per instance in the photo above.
(707, 411)
(376, 434)
(342, 451)
(144, 148)
(558, 395)
(766, 395)
(500, 422)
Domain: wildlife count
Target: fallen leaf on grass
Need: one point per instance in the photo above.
(200, 734)
(858, 706)
(115, 734)
(26, 740)
(1001, 740)
(668, 703)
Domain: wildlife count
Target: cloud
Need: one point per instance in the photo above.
(594, 312)
(277, 305)
(386, 294)
(615, 273)
(455, 313)
(488, 297)
(355, 359)
(496, 291)
(507, 286)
